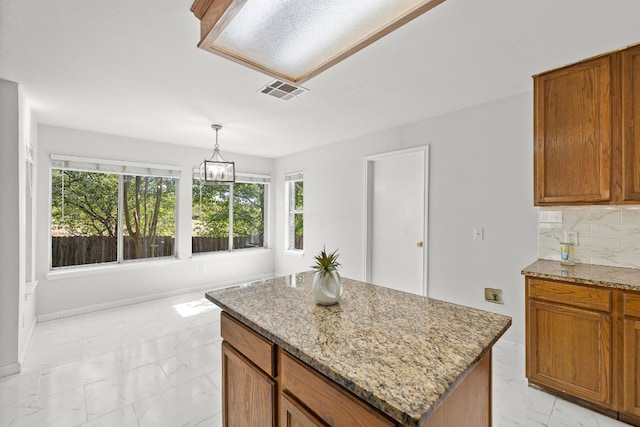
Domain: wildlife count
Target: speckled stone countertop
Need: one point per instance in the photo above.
(611, 277)
(400, 352)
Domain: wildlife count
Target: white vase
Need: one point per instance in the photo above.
(327, 288)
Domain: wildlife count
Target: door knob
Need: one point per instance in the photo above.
(420, 244)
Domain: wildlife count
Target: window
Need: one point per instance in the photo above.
(218, 225)
(294, 195)
(103, 212)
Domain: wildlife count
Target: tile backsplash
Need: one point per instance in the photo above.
(607, 235)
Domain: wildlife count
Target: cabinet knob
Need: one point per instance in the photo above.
(420, 244)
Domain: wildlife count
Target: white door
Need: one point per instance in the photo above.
(396, 218)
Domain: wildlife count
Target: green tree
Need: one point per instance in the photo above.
(84, 203)
(299, 206)
(210, 209)
(248, 209)
(211, 213)
(149, 212)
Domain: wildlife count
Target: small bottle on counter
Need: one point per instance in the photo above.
(566, 253)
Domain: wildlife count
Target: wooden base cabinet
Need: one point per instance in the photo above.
(326, 401)
(569, 339)
(572, 350)
(631, 358)
(583, 343)
(249, 395)
(294, 414)
(263, 385)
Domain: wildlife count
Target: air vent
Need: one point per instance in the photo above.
(282, 90)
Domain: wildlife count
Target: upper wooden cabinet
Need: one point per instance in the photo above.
(587, 131)
(630, 174)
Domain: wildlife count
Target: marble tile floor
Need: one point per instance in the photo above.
(158, 364)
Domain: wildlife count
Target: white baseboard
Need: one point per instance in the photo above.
(146, 298)
(13, 368)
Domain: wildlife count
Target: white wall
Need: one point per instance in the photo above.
(481, 175)
(27, 211)
(10, 262)
(17, 305)
(64, 293)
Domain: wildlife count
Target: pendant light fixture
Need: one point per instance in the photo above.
(217, 170)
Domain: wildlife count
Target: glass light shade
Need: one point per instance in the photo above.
(294, 40)
(217, 170)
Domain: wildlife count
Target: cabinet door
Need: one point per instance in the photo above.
(248, 394)
(573, 133)
(631, 368)
(631, 124)
(568, 349)
(293, 414)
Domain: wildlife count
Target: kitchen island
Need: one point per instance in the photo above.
(379, 357)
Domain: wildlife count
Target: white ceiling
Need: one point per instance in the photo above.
(131, 68)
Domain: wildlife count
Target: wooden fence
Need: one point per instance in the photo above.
(212, 244)
(81, 250)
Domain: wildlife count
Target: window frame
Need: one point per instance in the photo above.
(242, 178)
(290, 178)
(121, 169)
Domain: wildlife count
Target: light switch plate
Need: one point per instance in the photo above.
(478, 233)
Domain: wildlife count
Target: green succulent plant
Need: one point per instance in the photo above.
(326, 263)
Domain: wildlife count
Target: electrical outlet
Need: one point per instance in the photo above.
(571, 237)
(493, 295)
(202, 269)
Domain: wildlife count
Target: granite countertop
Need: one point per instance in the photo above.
(400, 352)
(590, 274)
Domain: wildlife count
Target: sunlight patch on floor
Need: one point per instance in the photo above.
(193, 308)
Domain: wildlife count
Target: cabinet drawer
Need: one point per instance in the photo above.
(632, 304)
(330, 402)
(577, 296)
(252, 345)
(293, 414)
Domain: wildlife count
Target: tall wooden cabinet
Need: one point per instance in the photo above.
(583, 342)
(587, 131)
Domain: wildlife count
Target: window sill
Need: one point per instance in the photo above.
(295, 252)
(84, 271)
(224, 254)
